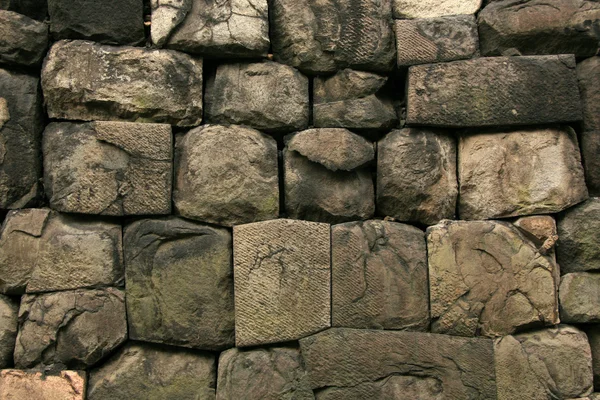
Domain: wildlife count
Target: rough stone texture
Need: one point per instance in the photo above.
(416, 175)
(515, 27)
(268, 374)
(541, 230)
(73, 329)
(231, 28)
(409, 9)
(579, 235)
(363, 364)
(43, 251)
(580, 297)
(282, 280)
(179, 283)
(108, 168)
(226, 175)
(495, 91)
(588, 74)
(553, 363)
(325, 36)
(379, 276)
(9, 310)
(36, 9)
(21, 125)
(32, 385)
(422, 41)
(88, 81)
(23, 41)
(523, 172)
(593, 334)
(486, 278)
(106, 21)
(141, 371)
(266, 96)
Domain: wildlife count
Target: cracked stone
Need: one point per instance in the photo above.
(108, 168)
(282, 280)
(579, 235)
(486, 278)
(142, 371)
(44, 251)
(36, 9)
(409, 9)
(23, 41)
(379, 276)
(73, 329)
(88, 81)
(542, 231)
(226, 175)
(371, 364)
(523, 172)
(580, 298)
(588, 74)
(9, 309)
(35, 385)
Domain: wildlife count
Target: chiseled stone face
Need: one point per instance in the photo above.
(24, 40)
(33, 385)
(282, 280)
(9, 309)
(579, 235)
(580, 298)
(409, 9)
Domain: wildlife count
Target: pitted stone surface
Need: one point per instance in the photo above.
(579, 235)
(580, 298)
(588, 74)
(409, 9)
(23, 41)
(282, 280)
(9, 309)
(33, 385)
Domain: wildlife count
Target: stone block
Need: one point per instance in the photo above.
(179, 283)
(9, 309)
(579, 235)
(23, 41)
(593, 333)
(580, 298)
(410, 9)
(542, 231)
(588, 74)
(36, 9)
(33, 385)
(226, 175)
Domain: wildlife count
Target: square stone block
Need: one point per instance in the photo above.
(580, 298)
(579, 236)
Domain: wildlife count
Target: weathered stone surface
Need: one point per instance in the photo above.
(266, 96)
(268, 374)
(9, 310)
(379, 276)
(141, 371)
(554, 363)
(579, 236)
(416, 175)
(179, 283)
(21, 125)
(486, 278)
(106, 21)
(515, 27)
(32, 385)
(88, 81)
(593, 334)
(226, 175)
(428, 40)
(23, 41)
(588, 74)
(580, 297)
(590, 148)
(282, 280)
(409, 9)
(542, 231)
(231, 28)
(73, 329)
(363, 364)
(36, 9)
(108, 168)
(494, 91)
(523, 172)
(43, 251)
(325, 36)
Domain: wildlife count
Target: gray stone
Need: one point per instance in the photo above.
(579, 236)
(282, 280)
(179, 283)
(580, 298)
(142, 371)
(494, 91)
(486, 278)
(325, 36)
(108, 168)
(588, 74)
(9, 310)
(88, 81)
(266, 96)
(44, 251)
(74, 329)
(416, 175)
(36, 9)
(23, 41)
(593, 334)
(429, 40)
(226, 175)
(356, 364)
(409, 9)
(379, 276)
(36, 385)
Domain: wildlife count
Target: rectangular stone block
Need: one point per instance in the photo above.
(494, 91)
(31, 385)
(282, 280)
(580, 298)
(588, 75)
(409, 9)
(9, 309)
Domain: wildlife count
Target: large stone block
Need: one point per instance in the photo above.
(588, 74)
(226, 175)
(364, 364)
(325, 178)
(179, 283)
(408, 9)
(580, 298)
(36, 9)
(35, 385)
(282, 280)
(231, 28)
(23, 41)
(325, 36)
(379, 276)
(108, 168)
(266, 96)
(73, 329)
(9, 309)
(523, 172)
(579, 236)
(486, 278)
(88, 81)
(416, 176)
(142, 371)
(44, 251)
(494, 91)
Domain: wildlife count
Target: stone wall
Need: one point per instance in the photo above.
(300, 199)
